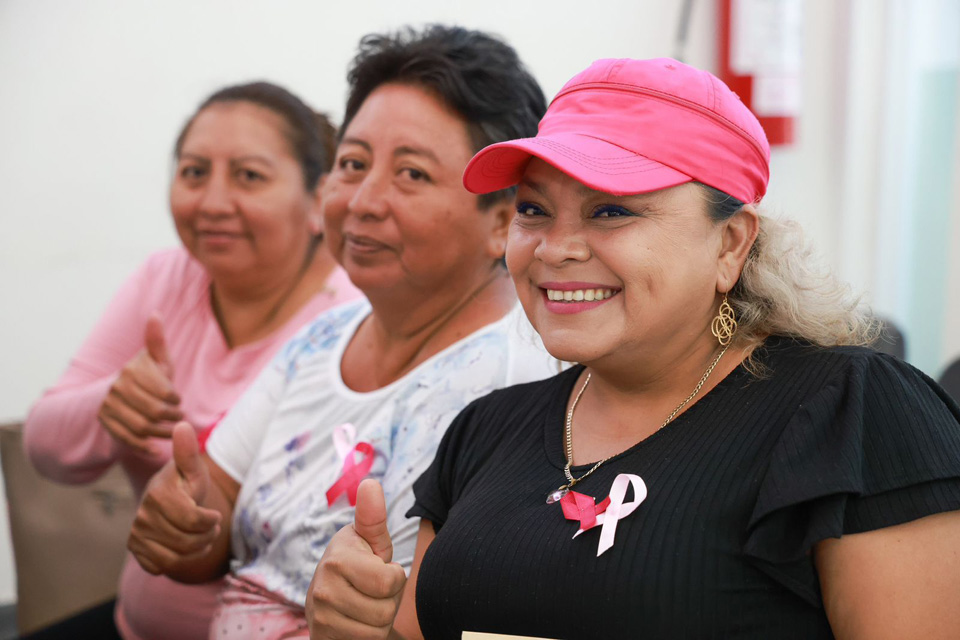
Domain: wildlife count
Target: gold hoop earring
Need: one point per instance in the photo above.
(725, 323)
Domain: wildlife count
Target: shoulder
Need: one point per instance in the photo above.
(503, 412)
(505, 420)
(503, 353)
(325, 332)
(866, 441)
(173, 275)
(863, 414)
(793, 361)
(173, 263)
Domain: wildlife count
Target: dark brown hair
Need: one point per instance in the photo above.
(477, 75)
(311, 135)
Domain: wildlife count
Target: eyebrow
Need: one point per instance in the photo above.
(647, 201)
(532, 184)
(252, 158)
(403, 150)
(358, 142)
(249, 158)
(407, 150)
(540, 188)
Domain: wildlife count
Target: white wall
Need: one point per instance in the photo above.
(94, 92)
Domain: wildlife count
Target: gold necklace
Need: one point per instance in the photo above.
(562, 490)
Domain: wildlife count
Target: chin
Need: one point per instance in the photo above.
(371, 280)
(570, 348)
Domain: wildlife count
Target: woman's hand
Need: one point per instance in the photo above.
(142, 401)
(356, 590)
(173, 532)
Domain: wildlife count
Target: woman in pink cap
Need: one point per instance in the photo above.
(725, 461)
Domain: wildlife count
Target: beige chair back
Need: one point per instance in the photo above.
(69, 542)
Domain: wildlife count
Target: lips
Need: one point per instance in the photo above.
(364, 243)
(578, 291)
(219, 233)
(579, 295)
(575, 297)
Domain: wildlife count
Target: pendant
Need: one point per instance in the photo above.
(557, 495)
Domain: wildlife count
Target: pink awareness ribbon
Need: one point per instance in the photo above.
(581, 507)
(616, 509)
(354, 470)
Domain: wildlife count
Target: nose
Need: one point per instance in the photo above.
(369, 200)
(562, 244)
(217, 198)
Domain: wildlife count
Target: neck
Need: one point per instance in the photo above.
(250, 311)
(401, 334)
(622, 408)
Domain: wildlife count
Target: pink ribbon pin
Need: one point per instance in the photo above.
(613, 508)
(582, 508)
(357, 462)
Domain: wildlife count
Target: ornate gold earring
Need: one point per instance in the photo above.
(725, 323)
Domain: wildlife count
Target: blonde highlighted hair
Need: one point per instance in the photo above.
(785, 290)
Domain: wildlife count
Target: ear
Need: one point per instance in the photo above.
(500, 215)
(315, 208)
(738, 235)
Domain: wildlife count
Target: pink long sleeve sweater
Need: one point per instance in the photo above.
(66, 443)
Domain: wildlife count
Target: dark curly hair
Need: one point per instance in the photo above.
(476, 74)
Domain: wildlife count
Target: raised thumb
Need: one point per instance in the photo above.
(157, 344)
(370, 519)
(186, 456)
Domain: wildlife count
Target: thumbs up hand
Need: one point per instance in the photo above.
(142, 402)
(172, 528)
(356, 590)
(156, 345)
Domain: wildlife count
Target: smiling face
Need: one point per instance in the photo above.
(238, 197)
(396, 214)
(603, 276)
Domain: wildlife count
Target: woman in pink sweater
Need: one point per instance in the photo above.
(192, 327)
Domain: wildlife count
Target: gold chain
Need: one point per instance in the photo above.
(568, 430)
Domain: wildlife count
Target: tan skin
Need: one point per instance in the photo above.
(242, 209)
(417, 244)
(898, 582)
(386, 180)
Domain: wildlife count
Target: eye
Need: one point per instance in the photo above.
(416, 175)
(528, 209)
(191, 172)
(350, 165)
(611, 211)
(249, 176)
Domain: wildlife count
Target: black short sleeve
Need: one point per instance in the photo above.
(878, 445)
(434, 490)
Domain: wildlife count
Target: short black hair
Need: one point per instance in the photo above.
(476, 74)
(311, 136)
(720, 205)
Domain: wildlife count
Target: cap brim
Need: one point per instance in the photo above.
(591, 161)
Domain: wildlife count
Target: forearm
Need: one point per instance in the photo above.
(63, 438)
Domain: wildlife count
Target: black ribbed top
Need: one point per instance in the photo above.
(741, 486)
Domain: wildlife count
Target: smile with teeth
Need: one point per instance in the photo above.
(579, 295)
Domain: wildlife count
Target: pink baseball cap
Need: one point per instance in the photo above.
(633, 126)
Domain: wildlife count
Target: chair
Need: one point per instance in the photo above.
(950, 380)
(69, 542)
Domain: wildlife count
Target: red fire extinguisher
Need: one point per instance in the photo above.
(760, 59)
